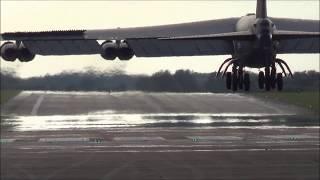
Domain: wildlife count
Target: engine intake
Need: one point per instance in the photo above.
(25, 55)
(9, 51)
(125, 52)
(109, 50)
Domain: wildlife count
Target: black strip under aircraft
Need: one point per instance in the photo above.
(252, 41)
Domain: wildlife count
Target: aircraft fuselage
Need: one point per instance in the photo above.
(261, 51)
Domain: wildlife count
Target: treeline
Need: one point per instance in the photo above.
(163, 81)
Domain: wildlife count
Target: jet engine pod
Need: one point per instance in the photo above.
(25, 55)
(109, 50)
(125, 52)
(9, 51)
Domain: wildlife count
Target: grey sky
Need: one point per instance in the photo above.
(54, 15)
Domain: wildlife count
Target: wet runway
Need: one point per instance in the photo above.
(133, 135)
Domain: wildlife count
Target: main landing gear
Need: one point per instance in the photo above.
(237, 79)
(268, 80)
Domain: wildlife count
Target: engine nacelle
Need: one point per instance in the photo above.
(9, 51)
(109, 50)
(25, 55)
(125, 52)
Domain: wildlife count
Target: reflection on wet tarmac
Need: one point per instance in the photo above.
(109, 119)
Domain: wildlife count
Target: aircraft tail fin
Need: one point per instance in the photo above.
(261, 11)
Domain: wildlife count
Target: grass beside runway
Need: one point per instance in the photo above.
(5, 95)
(308, 100)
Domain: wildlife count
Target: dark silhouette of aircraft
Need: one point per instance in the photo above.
(253, 40)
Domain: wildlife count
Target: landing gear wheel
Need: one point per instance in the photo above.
(267, 79)
(240, 79)
(234, 80)
(246, 82)
(273, 79)
(279, 81)
(228, 80)
(261, 80)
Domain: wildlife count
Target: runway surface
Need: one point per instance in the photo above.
(161, 136)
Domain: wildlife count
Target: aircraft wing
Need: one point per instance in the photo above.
(293, 36)
(214, 37)
(145, 41)
(297, 35)
(194, 45)
(70, 42)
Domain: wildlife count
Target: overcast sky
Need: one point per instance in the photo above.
(55, 15)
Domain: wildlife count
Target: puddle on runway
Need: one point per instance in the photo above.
(109, 119)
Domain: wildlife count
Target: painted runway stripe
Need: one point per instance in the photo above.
(138, 139)
(291, 137)
(64, 139)
(213, 138)
(36, 106)
(157, 147)
(210, 139)
(187, 150)
(286, 142)
(214, 150)
(4, 141)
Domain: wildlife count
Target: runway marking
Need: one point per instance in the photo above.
(214, 138)
(138, 139)
(291, 137)
(4, 141)
(64, 139)
(188, 150)
(36, 106)
(286, 141)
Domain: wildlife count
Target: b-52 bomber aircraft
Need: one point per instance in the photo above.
(253, 40)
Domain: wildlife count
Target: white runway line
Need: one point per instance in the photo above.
(138, 139)
(36, 106)
(4, 141)
(190, 150)
(213, 138)
(291, 137)
(64, 140)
